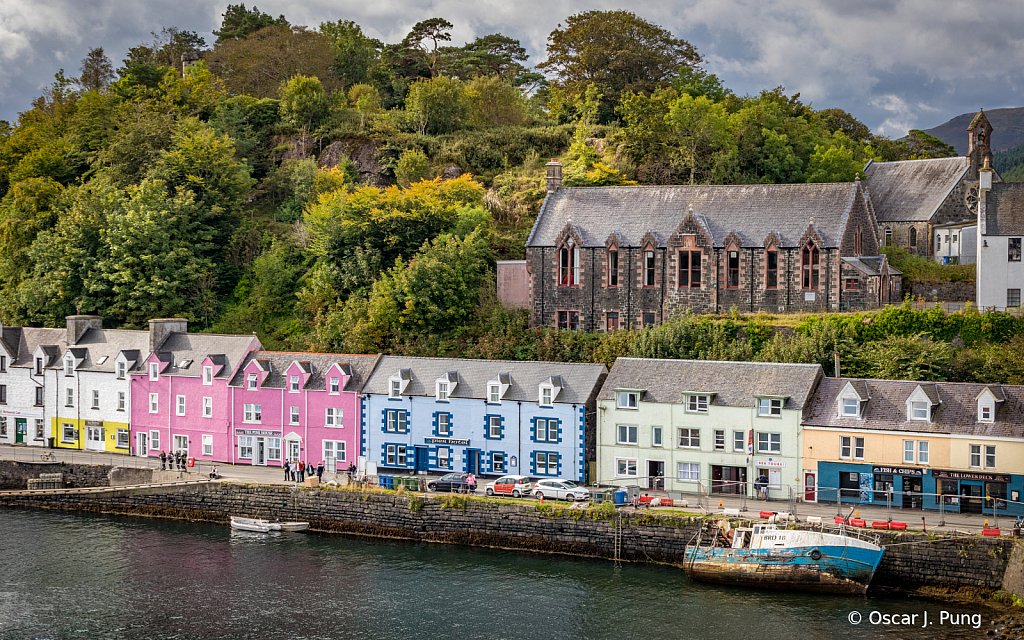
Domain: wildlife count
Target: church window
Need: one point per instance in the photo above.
(811, 266)
(771, 272)
(888, 237)
(689, 269)
(734, 270)
(613, 268)
(913, 236)
(569, 264)
(971, 198)
(648, 268)
(858, 241)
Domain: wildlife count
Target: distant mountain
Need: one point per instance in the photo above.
(1010, 163)
(1007, 129)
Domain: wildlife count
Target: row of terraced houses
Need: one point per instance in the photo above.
(676, 425)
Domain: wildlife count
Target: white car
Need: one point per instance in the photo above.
(561, 490)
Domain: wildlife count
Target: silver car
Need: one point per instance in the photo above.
(560, 490)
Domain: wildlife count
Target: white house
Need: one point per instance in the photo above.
(25, 354)
(1000, 275)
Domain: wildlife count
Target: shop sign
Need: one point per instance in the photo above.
(778, 464)
(94, 423)
(452, 441)
(256, 432)
(901, 471)
(970, 475)
(24, 413)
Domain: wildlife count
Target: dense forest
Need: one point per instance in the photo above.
(332, 192)
(1010, 163)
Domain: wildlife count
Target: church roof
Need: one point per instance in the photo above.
(1004, 209)
(912, 190)
(751, 211)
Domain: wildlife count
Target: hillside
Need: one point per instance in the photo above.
(1010, 163)
(1007, 129)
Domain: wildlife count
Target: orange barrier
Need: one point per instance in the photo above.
(899, 526)
(858, 522)
(766, 514)
(991, 533)
(879, 524)
(840, 519)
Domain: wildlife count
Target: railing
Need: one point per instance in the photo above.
(922, 501)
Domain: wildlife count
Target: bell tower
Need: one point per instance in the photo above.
(979, 141)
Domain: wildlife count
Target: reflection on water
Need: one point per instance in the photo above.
(81, 576)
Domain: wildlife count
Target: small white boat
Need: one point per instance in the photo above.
(294, 526)
(250, 524)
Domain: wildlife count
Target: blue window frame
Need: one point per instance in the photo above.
(546, 430)
(442, 424)
(545, 463)
(395, 421)
(494, 427)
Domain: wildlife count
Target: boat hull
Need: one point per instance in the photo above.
(821, 569)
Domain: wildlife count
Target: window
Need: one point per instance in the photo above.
(938, 243)
(848, 445)
(396, 389)
(207, 445)
(253, 381)
(154, 402)
(1013, 298)
(120, 401)
(688, 471)
(769, 406)
(771, 270)
(154, 371)
(3, 364)
(293, 384)
(395, 420)
(918, 410)
(689, 438)
(569, 320)
(851, 284)
(769, 442)
(3, 394)
(498, 463)
(95, 399)
(739, 441)
(121, 369)
(626, 399)
(253, 413)
(207, 407)
(1013, 249)
(442, 457)
(569, 265)
(154, 440)
(39, 428)
(811, 267)
(333, 417)
(334, 452)
(39, 396)
(689, 269)
(494, 426)
(922, 452)
(69, 399)
(442, 392)
(67, 432)
(245, 447)
(612, 321)
(207, 375)
(908, 451)
(494, 394)
(976, 455)
(648, 268)
(625, 467)
(888, 237)
(656, 439)
(613, 268)
(990, 457)
(293, 415)
(850, 407)
(395, 455)
(3, 426)
(648, 319)
(545, 396)
(719, 440)
(734, 270)
(39, 366)
(913, 236)
(541, 431)
(547, 464)
(985, 413)
(69, 366)
(627, 434)
(697, 404)
(858, 448)
(444, 424)
(335, 386)
(181, 405)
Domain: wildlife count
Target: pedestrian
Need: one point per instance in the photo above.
(213, 474)
(320, 471)
(471, 481)
(291, 470)
(163, 460)
(300, 468)
(181, 461)
(286, 469)
(761, 484)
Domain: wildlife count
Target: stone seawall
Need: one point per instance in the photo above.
(912, 561)
(15, 475)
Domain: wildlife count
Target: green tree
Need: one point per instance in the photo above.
(413, 166)
(365, 99)
(495, 102)
(701, 139)
(26, 210)
(423, 43)
(838, 120)
(239, 22)
(304, 103)
(835, 162)
(439, 105)
(138, 138)
(355, 53)
(97, 72)
(922, 146)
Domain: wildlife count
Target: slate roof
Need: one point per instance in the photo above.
(578, 379)
(752, 211)
(886, 409)
(227, 350)
(316, 363)
(1004, 209)
(22, 341)
(910, 190)
(95, 344)
(735, 384)
(870, 265)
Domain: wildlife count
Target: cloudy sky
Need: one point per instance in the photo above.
(894, 64)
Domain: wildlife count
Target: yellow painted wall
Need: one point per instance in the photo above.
(109, 436)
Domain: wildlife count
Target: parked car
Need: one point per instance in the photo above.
(452, 482)
(561, 490)
(515, 486)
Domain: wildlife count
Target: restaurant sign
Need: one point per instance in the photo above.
(256, 432)
(452, 441)
(970, 475)
(901, 471)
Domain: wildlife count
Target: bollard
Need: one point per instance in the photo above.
(924, 525)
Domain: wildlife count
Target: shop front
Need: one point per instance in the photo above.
(726, 479)
(902, 487)
(259, 447)
(980, 493)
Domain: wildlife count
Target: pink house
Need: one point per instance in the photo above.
(291, 406)
(180, 397)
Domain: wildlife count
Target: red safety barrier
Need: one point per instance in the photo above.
(767, 514)
(840, 519)
(667, 502)
(646, 499)
(858, 522)
(899, 526)
(991, 533)
(879, 524)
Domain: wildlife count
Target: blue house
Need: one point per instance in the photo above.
(488, 417)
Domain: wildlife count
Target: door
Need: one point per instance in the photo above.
(422, 465)
(473, 461)
(849, 486)
(293, 449)
(810, 487)
(19, 430)
(912, 487)
(261, 451)
(656, 474)
(970, 498)
(181, 444)
(94, 438)
(142, 444)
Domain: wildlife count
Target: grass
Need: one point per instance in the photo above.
(920, 269)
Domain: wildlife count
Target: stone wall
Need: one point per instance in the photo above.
(15, 475)
(941, 291)
(911, 560)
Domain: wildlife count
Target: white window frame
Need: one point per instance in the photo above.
(67, 432)
(154, 403)
(692, 472)
(923, 452)
(771, 443)
(546, 463)
(909, 451)
(293, 384)
(858, 445)
(741, 441)
(975, 458)
(180, 406)
(441, 391)
(690, 437)
(547, 396)
(394, 388)
(122, 402)
(982, 409)
(769, 407)
(123, 439)
(915, 407)
(293, 415)
(207, 444)
(69, 367)
(494, 394)
(95, 398)
(845, 406)
(69, 397)
(657, 436)
(447, 422)
(245, 447)
(697, 403)
(335, 386)
(990, 455)
(497, 462)
(252, 381)
(207, 375)
(845, 447)
(207, 406)
(494, 427)
(629, 400)
(154, 371)
(154, 440)
(333, 417)
(122, 368)
(719, 435)
(623, 466)
(337, 446)
(252, 413)
(444, 459)
(627, 434)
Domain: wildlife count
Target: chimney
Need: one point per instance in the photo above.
(836, 354)
(161, 328)
(78, 325)
(554, 175)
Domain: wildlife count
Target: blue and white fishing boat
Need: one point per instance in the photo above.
(829, 560)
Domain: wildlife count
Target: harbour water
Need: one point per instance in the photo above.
(84, 576)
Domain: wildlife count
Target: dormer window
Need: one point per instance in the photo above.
(850, 408)
(494, 394)
(546, 395)
(69, 367)
(253, 381)
(122, 368)
(39, 366)
(154, 371)
(919, 411)
(293, 384)
(395, 388)
(207, 375)
(442, 392)
(985, 413)
(697, 404)
(335, 386)
(627, 399)
(769, 407)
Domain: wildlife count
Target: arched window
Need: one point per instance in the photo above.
(613, 267)
(888, 237)
(811, 266)
(913, 236)
(569, 264)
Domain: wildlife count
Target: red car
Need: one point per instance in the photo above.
(515, 486)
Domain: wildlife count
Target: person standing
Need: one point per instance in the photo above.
(287, 469)
(320, 471)
(163, 461)
(300, 468)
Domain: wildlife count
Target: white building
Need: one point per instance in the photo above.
(25, 354)
(1000, 275)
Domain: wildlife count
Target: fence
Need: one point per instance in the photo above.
(78, 456)
(920, 501)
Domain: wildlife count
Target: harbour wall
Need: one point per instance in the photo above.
(15, 475)
(971, 566)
